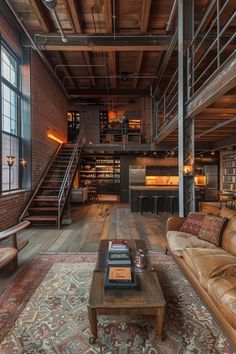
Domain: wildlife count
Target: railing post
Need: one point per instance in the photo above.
(218, 32)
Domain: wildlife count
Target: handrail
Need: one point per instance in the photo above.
(39, 183)
(66, 182)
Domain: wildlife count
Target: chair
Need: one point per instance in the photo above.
(224, 198)
(170, 203)
(10, 254)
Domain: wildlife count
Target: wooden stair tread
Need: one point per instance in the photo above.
(41, 218)
(43, 209)
(46, 198)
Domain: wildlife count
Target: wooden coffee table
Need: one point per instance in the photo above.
(146, 299)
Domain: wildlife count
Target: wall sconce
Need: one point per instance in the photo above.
(55, 138)
(188, 170)
(10, 160)
(23, 162)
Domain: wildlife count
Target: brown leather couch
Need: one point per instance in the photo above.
(211, 270)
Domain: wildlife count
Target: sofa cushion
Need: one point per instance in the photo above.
(222, 290)
(229, 236)
(209, 263)
(178, 241)
(193, 223)
(211, 229)
(227, 212)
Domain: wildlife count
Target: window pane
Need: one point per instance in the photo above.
(10, 175)
(8, 67)
(9, 110)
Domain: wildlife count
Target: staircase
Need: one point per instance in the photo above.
(48, 202)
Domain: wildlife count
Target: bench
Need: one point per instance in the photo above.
(10, 254)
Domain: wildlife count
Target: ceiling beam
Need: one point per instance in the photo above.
(103, 42)
(74, 12)
(103, 92)
(112, 64)
(42, 14)
(108, 15)
(73, 9)
(145, 15)
(143, 29)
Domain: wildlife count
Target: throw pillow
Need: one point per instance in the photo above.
(212, 227)
(192, 225)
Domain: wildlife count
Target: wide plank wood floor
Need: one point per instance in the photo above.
(90, 223)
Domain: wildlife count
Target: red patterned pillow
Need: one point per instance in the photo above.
(193, 223)
(212, 228)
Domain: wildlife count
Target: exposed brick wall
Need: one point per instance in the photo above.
(49, 107)
(48, 112)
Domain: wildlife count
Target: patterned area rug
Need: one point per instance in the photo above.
(44, 310)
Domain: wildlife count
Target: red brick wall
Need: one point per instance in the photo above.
(49, 107)
(48, 113)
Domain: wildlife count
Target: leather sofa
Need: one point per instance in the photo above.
(211, 270)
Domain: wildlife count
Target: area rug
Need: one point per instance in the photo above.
(44, 310)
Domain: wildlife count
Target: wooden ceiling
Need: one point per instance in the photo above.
(97, 64)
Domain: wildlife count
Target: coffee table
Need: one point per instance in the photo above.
(146, 299)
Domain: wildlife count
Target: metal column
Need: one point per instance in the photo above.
(185, 126)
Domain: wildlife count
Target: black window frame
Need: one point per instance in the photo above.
(18, 91)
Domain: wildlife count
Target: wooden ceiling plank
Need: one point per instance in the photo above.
(42, 15)
(70, 18)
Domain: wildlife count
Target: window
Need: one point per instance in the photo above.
(10, 120)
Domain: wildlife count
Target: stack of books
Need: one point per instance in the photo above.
(119, 272)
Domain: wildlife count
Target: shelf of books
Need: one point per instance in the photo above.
(229, 171)
(101, 170)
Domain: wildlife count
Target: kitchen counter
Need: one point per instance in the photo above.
(154, 188)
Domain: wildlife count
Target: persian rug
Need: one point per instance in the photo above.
(44, 311)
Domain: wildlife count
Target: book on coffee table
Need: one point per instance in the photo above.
(120, 274)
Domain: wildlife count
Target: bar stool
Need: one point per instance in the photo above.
(157, 199)
(197, 201)
(170, 203)
(141, 199)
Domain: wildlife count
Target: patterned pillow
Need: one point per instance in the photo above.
(212, 228)
(192, 225)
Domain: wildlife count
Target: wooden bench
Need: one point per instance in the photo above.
(10, 254)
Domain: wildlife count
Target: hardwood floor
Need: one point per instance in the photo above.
(90, 223)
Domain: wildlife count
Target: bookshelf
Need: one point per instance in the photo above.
(228, 171)
(102, 170)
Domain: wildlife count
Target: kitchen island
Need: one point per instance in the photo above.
(149, 192)
(160, 190)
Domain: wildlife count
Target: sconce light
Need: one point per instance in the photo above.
(188, 170)
(55, 138)
(23, 162)
(10, 160)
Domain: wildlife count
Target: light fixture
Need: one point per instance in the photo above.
(51, 4)
(23, 162)
(188, 170)
(55, 138)
(10, 160)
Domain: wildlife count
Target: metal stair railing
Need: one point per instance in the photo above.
(68, 178)
(40, 181)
